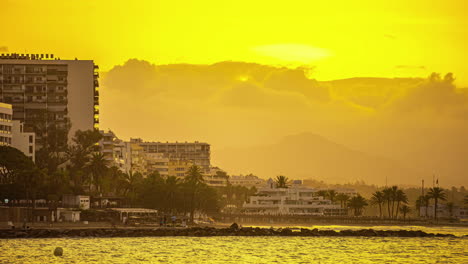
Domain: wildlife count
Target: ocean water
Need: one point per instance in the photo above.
(238, 250)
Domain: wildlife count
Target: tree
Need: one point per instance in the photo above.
(378, 198)
(437, 194)
(331, 195)
(357, 203)
(193, 181)
(465, 201)
(393, 195)
(171, 193)
(387, 192)
(129, 184)
(400, 198)
(12, 163)
(97, 167)
(322, 193)
(343, 198)
(281, 181)
(405, 210)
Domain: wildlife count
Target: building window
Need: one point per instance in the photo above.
(30, 149)
(30, 139)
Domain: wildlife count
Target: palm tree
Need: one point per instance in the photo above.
(97, 167)
(322, 193)
(404, 210)
(194, 180)
(343, 198)
(400, 197)
(331, 195)
(130, 181)
(357, 203)
(437, 194)
(387, 193)
(281, 181)
(172, 187)
(378, 198)
(427, 199)
(394, 193)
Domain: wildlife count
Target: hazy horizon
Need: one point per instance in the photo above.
(245, 74)
(245, 105)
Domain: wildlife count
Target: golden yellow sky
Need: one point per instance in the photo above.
(339, 39)
(420, 123)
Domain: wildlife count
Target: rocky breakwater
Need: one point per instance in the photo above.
(234, 230)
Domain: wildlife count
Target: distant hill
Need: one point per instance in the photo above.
(309, 155)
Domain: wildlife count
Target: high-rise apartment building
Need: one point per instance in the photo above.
(197, 152)
(49, 94)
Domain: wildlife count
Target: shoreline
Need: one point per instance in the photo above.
(233, 230)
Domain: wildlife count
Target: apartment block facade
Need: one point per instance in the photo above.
(12, 133)
(6, 124)
(197, 152)
(48, 94)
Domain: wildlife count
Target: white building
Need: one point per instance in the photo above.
(6, 125)
(216, 177)
(247, 181)
(76, 201)
(113, 150)
(12, 134)
(291, 201)
(24, 141)
(443, 211)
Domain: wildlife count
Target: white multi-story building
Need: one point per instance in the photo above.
(196, 152)
(216, 177)
(49, 94)
(113, 150)
(6, 125)
(12, 134)
(291, 201)
(247, 181)
(24, 141)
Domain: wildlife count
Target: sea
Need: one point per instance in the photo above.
(234, 249)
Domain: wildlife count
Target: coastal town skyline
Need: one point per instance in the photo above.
(367, 87)
(301, 131)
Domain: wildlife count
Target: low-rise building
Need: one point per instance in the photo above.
(291, 201)
(76, 201)
(247, 181)
(444, 211)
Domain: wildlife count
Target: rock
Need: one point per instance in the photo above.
(58, 251)
(234, 226)
(286, 232)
